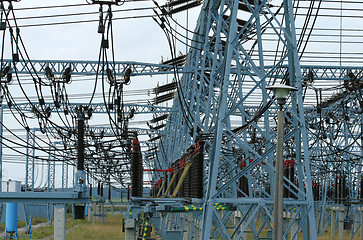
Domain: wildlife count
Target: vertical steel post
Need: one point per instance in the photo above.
(208, 211)
(30, 163)
(64, 174)
(309, 227)
(51, 180)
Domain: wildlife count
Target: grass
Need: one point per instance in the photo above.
(41, 232)
(111, 230)
(22, 223)
(39, 220)
(85, 230)
(44, 231)
(347, 235)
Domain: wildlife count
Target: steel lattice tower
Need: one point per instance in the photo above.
(224, 101)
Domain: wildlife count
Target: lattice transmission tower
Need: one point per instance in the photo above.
(224, 102)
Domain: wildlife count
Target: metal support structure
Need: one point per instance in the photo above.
(90, 67)
(43, 197)
(99, 108)
(30, 163)
(214, 103)
(64, 174)
(222, 99)
(51, 170)
(51, 182)
(139, 68)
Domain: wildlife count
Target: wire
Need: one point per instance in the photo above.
(80, 13)
(69, 5)
(82, 21)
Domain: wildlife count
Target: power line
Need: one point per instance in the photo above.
(82, 21)
(80, 14)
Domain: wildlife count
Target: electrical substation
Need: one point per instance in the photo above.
(200, 119)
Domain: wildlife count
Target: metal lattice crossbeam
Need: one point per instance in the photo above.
(90, 67)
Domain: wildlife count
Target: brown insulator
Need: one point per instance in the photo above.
(197, 160)
(136, 170)
(160, 118)
(166, 87)
(164, 98)
(185, 7)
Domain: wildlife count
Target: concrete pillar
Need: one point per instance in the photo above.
(333, 225)
(94, 212)
(237, 219)
(103, 214)
(162, 216)
(341, 225)
(361, 224)
(89, 212)
(182, 221)
(59, 222)
(130, 229)
(175, 222)
(196, 229)
(187, 226)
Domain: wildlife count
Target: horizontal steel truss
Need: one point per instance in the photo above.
(97, 107)
(42, 197)
(139, 68)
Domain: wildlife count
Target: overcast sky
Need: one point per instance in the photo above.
(135, 39)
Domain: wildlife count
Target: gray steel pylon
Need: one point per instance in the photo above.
(225, 102)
